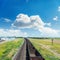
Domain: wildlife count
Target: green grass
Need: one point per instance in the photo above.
(8, 49)
(46, 53)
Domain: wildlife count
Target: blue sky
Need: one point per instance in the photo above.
(48, 11)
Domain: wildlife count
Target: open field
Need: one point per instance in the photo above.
(8, 49)
(48, 50)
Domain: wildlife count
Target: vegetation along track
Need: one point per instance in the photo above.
(27, 52)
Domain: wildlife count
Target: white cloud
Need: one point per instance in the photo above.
(25, 21)
(35, 22)
(5, 19)
(48, 24)
(55, 18)
(59, 8)
(48, 31)
(12, 32)
(23, 18)
(37, 19)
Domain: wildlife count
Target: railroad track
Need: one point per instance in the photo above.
(27, 52)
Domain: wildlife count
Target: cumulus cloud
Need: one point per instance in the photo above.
(55, 18)
(24, 21)
(11, 33)
(23, 18)
(49, 31)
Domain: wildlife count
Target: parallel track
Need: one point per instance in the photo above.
(28, 52)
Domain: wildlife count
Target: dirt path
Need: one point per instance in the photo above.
(21, 53)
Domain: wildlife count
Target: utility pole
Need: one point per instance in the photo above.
(52, 41)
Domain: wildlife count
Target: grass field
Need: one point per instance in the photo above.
(48, 50)
(8, 49)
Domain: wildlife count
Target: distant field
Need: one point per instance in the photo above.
(8, 49)
(48, 50)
